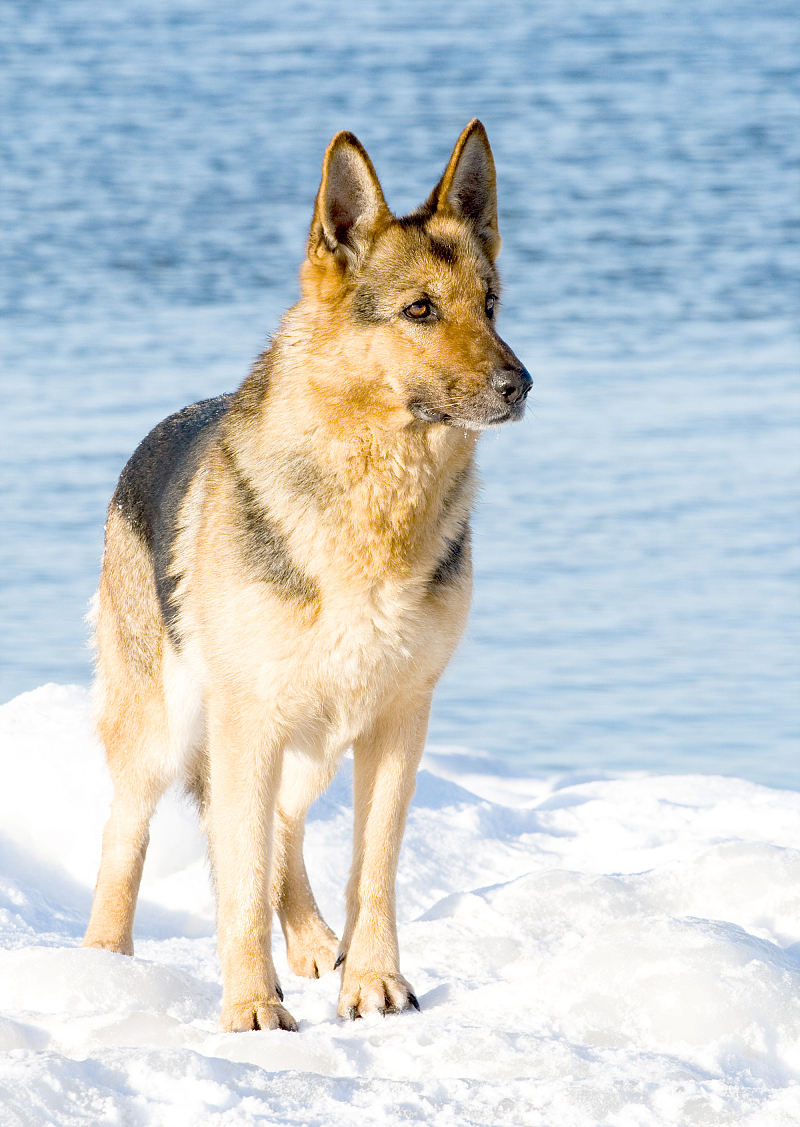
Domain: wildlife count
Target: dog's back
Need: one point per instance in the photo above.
(154, 482)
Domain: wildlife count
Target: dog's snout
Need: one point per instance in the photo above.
(511, 384)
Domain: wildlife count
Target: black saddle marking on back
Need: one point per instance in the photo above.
(154, 482)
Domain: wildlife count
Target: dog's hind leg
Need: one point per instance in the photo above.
(311, 946)
(125, 841)
(131, 720)
(385, 766)
(131, 723)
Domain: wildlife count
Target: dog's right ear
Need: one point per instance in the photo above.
(350, 205)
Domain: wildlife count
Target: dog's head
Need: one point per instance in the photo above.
(418, 295)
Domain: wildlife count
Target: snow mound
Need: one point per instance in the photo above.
(586, 950)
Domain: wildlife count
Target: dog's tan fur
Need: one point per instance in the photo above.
(318, 581)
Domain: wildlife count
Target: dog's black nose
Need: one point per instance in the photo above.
(512, 384)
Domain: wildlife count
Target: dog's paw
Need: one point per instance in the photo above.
(370, 992)
(314, 954)
(240, 1017)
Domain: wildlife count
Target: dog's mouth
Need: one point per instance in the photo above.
(427, 414)
(512, 415)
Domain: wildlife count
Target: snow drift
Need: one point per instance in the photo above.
(586, 950)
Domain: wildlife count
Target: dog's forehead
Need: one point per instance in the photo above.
(421, 250)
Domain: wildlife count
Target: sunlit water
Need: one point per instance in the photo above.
(636, 599)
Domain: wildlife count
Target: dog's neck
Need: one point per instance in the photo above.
(347, 449)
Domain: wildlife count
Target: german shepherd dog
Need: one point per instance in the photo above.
(287, 573)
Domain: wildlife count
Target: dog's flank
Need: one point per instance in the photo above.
(287, 572)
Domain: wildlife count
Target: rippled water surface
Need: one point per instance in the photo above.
(636, 599)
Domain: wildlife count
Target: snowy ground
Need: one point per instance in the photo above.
(586, 950)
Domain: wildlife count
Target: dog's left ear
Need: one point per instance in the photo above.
(350, 205)
(468, 188)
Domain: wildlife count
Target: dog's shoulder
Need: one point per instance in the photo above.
(156, 477)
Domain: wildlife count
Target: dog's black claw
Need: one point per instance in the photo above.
(340, 958)
(354, 1013)
(413, 1000)
(278, 990)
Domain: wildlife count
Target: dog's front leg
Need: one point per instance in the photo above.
(385, 766)
(245, 770)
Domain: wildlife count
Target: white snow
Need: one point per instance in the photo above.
(586, 950)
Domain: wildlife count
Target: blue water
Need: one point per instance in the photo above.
(636, 602)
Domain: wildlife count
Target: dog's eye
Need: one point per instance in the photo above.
(418, 310)
(491, 301)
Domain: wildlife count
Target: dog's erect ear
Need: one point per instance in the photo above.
(468, 188)
(350, 205)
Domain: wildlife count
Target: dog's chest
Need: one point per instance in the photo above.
(357, 666)
(371, 639)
